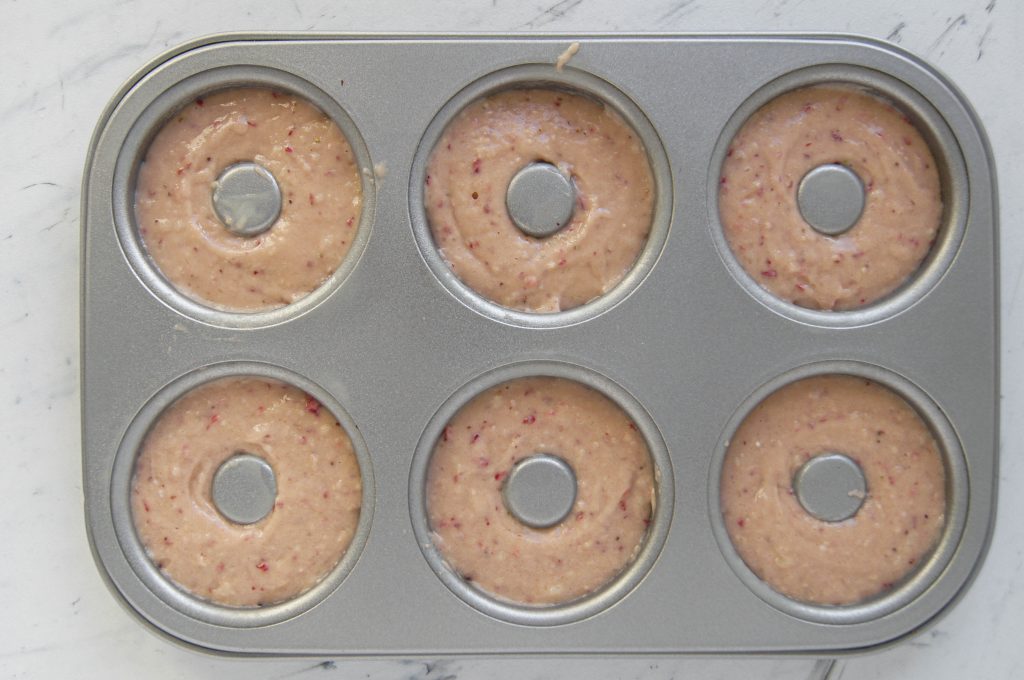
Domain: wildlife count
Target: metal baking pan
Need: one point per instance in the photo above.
(393, 343)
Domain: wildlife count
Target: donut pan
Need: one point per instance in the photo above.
(393, 343)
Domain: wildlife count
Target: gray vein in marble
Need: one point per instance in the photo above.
(1016, 289)
(678, 10)
(440, 669)
(74, 21)
(1007, 582)
(778, 7)
(928, 639)
(62, 220)
(894, 34)
(981, 42)
(553, 13)
(946, 36)
(82, 70)
(11, 322)
(327, 665)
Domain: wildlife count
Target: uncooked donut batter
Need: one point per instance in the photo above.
(615, 497)
(471, 167)
(796, 133)
(319, 492)
(320, 190)
(833, 562)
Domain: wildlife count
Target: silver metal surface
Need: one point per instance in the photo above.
(393, 344)
(540, 199)
(540, 490)
(244, 488)
(246, 199)
(831, 487)
(831, 198)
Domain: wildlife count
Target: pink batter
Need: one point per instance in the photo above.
(321, 195)
(796, 133)
(615, 497)
(469, 172)
(844, 562)
(319, 492)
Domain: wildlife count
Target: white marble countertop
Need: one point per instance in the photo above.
(60, 64)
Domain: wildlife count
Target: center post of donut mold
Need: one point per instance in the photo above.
(244, 488)
(831, 198)
(540, 490)
(247, 199)
(540, 199)
(830, 486)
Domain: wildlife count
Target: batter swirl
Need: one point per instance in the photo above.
(319, 492)
(805, 129)
(476, 158)
(895, 529)
(608, 522)
(321, 199)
